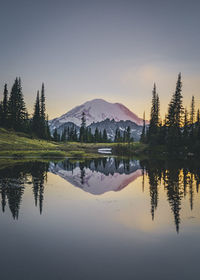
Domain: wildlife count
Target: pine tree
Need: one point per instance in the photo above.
(197, 128)
(154, 118)
(56, 136)
(75, 135)
(116, 135)
(143, 135)
(42, 104)
(100, 137)
(43, 121)
(5, 107)
(128, 134)
(105, 137)
(1, 113)
(96, 135)
(83, 128)
(192, 118)
(174, 117)
(48, 133)
(17, 108)
(192, 112)
(36, 122)
(64, 135)
(186, 128)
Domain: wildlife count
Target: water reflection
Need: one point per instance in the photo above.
(98, 176)
(179, 179)
(13, 180)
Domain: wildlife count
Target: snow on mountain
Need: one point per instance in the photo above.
(98, 179)
(96, 110)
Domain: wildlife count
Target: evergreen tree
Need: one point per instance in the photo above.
(36, 122)
(17, 108)
(96, 135)
(174, 118)
(186, 128)
(5, 107)
(128, 134)
(116, 135)
(42, 104)
(75, 135)
(192, 119)
(143, 135)
(64, 135)
(1, 113)
(45, 134)
(192, 112)
(48, 133)
(105, 137)
(56, 136)
(83, 128)
(100, 140)
(154, 118)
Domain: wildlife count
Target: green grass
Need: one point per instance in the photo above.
(19, 145)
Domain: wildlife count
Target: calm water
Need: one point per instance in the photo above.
(100, 219)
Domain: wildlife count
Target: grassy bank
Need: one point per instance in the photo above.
(13, 144)
(20, 145)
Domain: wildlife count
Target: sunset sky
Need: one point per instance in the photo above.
(113, 49)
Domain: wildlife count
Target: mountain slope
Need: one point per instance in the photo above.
(96, 110)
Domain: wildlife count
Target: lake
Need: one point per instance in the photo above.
(106, 218)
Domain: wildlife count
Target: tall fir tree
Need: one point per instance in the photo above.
(185, 128)
(154, 117)
(43, 120)
(175, 116)
(1, 113)
(36, 122)
(192, 119)
(128, 134)
(64, 135)
(143, 135)
(5, 107)
(16, 108)
(56, 136)
(83, 128)
(105, 136)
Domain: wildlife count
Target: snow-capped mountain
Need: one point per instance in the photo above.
(96, 110)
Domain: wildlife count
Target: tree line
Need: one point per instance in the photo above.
(85, 134)
(180, 129)
(14, 113)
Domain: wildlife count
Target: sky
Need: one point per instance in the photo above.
(113, 49)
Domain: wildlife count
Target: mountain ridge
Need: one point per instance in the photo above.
(96, 110)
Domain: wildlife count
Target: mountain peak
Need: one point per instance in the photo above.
(97, 110)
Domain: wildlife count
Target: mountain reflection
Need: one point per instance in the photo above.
(97, 176)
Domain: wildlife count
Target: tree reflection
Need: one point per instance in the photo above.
(13, 180)
(178, 179)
